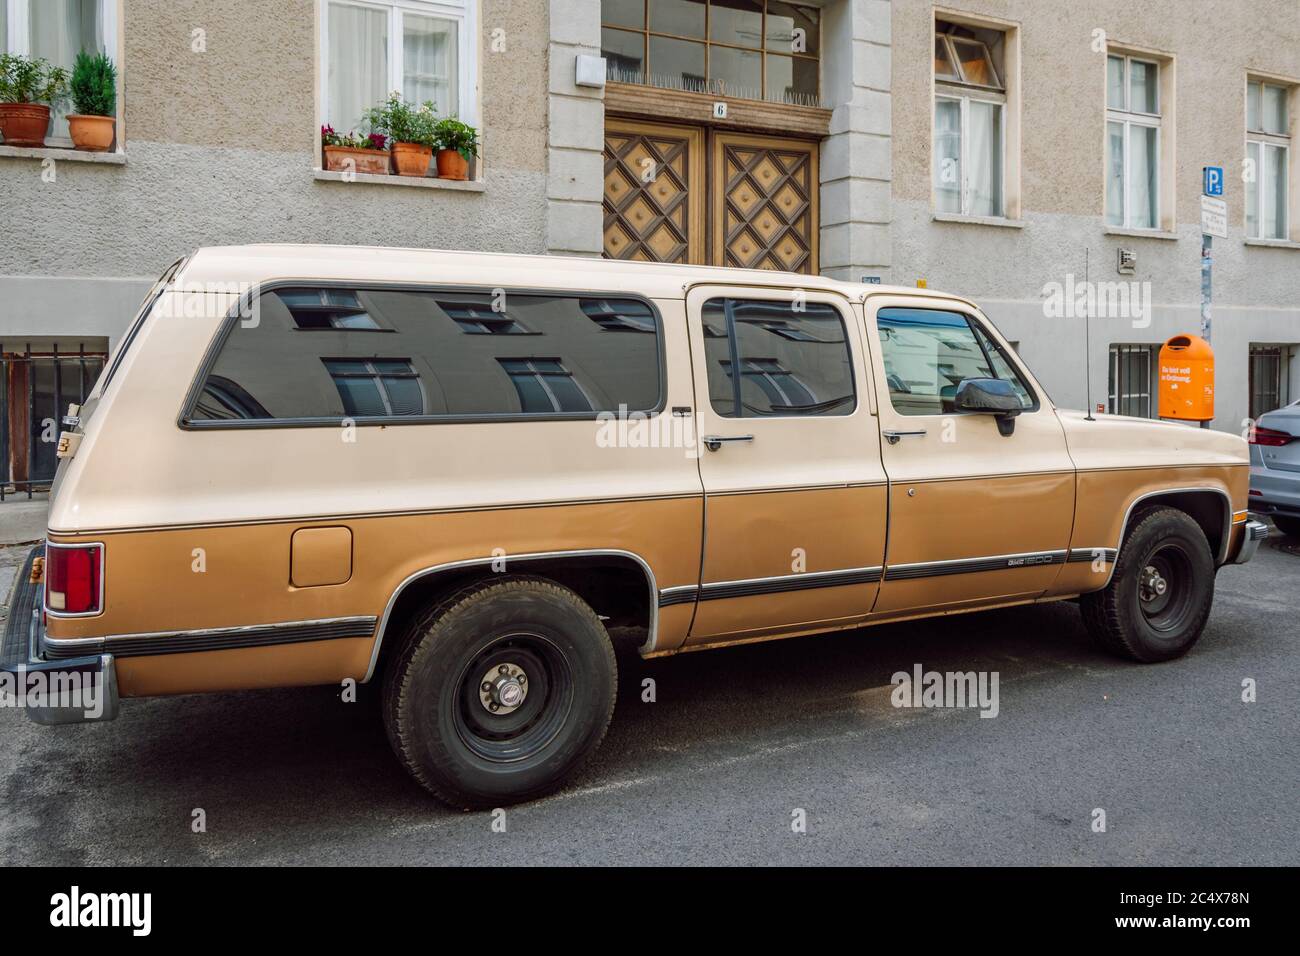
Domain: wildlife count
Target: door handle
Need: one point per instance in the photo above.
(714, 442)
(894, 437)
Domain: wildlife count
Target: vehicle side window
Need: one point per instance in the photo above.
(928, 353)
(770, 358)
(328, 353)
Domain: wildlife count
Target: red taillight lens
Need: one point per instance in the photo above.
(72, 579)
(1270, 436)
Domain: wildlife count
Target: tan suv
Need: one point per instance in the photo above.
(453, 473)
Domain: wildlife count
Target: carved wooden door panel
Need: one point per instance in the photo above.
(764, 203)
(654, 192)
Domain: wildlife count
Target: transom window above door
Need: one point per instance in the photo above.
(421, 49)
(750, 49)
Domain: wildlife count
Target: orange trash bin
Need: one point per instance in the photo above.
(1187, 379)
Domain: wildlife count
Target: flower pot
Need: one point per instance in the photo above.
(92, 133)
(410, 159)
(452, 165)
(24, 124)
(342, 159)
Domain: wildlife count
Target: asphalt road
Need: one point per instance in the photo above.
(738, 739)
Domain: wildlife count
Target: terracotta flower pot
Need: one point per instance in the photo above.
(92, 133)
(24, 124)
(411, 160)
(341, 159)
(452, 165)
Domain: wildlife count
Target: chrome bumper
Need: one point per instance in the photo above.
(50, 691)
(1254, 533)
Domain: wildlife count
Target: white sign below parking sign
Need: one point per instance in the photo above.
(1214, 217)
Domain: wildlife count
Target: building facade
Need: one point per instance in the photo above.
(1040, 156)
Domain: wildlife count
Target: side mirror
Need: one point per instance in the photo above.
(989, 396)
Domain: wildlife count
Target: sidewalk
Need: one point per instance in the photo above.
(22, 522)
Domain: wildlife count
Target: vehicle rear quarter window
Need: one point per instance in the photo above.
(329, 353)
(928, 353)
(769, 358)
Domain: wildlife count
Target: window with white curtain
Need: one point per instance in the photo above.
(1268, 149)
(1132, 142)
(57, 30)
(421, 49)
(969, 103)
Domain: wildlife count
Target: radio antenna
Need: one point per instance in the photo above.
(1087, 342)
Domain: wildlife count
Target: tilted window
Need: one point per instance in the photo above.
(412, 359)
(969, 105)
(793, 359)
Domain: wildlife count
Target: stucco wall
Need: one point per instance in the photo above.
(1256, 290)
(221, 146)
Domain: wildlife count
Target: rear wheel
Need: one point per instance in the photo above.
(500, 692)
(1288, 525)
(1160, 592)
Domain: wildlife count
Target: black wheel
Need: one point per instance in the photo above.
(1159, 595)
(500, 692)
(1288, 525)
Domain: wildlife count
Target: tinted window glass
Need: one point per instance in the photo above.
(928, 353)
(333, 353)
(791, 360)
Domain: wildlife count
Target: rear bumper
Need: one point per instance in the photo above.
(1253, 534)
(1274, 492)
(69, 691)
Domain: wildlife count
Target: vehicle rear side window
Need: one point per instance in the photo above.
(776, 358)
(927, 353)
(328, 353)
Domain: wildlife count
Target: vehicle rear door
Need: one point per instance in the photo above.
(795, 497)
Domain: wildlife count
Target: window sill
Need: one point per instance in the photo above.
(418, 182)
(1273, 243)
(54, 152)
(1141, 233)
(978, 220)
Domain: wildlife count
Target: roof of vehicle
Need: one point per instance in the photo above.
(264, 263)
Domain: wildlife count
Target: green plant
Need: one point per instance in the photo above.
(453, 134)
(403, 122)
(25, 79)
(94, 85)
(329, 137)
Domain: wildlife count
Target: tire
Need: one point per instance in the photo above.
(476, 743)
(1288, 525)
(1155, 617)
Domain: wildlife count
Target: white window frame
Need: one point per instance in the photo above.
(1262, 139)
(464, 12)
(1129, 118)
(20, 42)
(964, 96)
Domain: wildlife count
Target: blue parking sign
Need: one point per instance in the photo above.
(1213, 180)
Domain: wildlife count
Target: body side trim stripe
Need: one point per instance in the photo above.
(998, 562)
(211, 639)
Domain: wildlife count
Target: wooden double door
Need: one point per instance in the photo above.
(689, 194)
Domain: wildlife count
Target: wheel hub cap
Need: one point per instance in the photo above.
(1152, 584)
(503, 689)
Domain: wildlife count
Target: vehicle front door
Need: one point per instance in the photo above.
(980, 511)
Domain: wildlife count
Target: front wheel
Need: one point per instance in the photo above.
(1160, 592)
(500, 692)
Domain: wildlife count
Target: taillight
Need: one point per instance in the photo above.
(1270, 436)
(74, 578)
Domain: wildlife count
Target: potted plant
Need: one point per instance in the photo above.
(28, 88)
(353, 153)
(456, 142)
(410, 130)
(94, 97)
